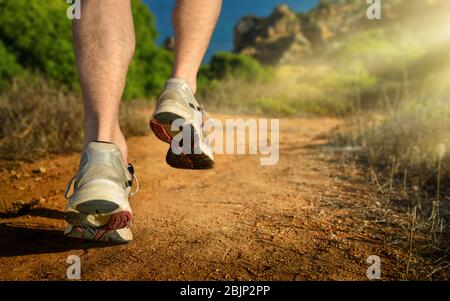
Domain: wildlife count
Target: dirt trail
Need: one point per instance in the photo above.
(304, 218)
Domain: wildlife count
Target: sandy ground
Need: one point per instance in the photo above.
(310, 217)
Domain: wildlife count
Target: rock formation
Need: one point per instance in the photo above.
(289, 37)
(286, 37)
(272, 39)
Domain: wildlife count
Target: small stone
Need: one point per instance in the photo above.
(40, 170)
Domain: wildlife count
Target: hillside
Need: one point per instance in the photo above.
(364, 167)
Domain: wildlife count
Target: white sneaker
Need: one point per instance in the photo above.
(101, 190)
(119, 236)
(177, 102)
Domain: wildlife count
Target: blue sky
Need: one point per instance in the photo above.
(232, 11)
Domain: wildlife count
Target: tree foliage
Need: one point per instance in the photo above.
(36, 35)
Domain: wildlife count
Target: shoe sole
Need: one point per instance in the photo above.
(113, 236)
(115, 221)
(161, 124)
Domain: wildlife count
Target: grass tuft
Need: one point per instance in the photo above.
(39, 119)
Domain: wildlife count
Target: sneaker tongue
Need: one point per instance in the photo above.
(102, 146)
(98, 141)
(176, 80)
(177, 83)
(181, 86)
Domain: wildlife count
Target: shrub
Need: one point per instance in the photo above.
(151, 65)
(39, 118)
(8, 66)
(227, 64)
(38, 35)
(413, 137)
(378, 52)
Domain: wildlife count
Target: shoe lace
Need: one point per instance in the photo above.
(134, 179)
(205, 115)
(68, 187)
(130, 169)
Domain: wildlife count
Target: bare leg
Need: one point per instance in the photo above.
(194, 22)
(104, 46)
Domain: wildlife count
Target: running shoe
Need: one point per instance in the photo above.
(101, 189)
(178, 104)
(118, 236)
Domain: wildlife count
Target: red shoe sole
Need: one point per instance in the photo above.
(116, 221)
(160, 131)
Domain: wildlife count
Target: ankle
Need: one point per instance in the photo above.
(193, 86)
(122, 146)
(119, 140)
(191, 80)
(116, 137)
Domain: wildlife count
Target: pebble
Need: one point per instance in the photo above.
(40, 170)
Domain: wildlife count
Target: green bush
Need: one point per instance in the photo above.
(379, 51)
(227, 64)
(151, 65)
(8, 65)
(38, 36)
(272, 106)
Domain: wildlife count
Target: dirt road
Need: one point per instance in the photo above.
(308, 217)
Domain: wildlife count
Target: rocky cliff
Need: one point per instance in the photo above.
(272, 39)
(289, 37)
(285, 36)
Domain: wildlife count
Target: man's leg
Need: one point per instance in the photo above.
(193, 22)
(99, 208)
(104, 46)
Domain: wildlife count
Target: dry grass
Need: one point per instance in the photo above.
(39, 119)
(406, 153)
(412, 142)
(294, 90)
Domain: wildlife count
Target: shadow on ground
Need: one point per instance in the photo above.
(19, 241)
(42, 212)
